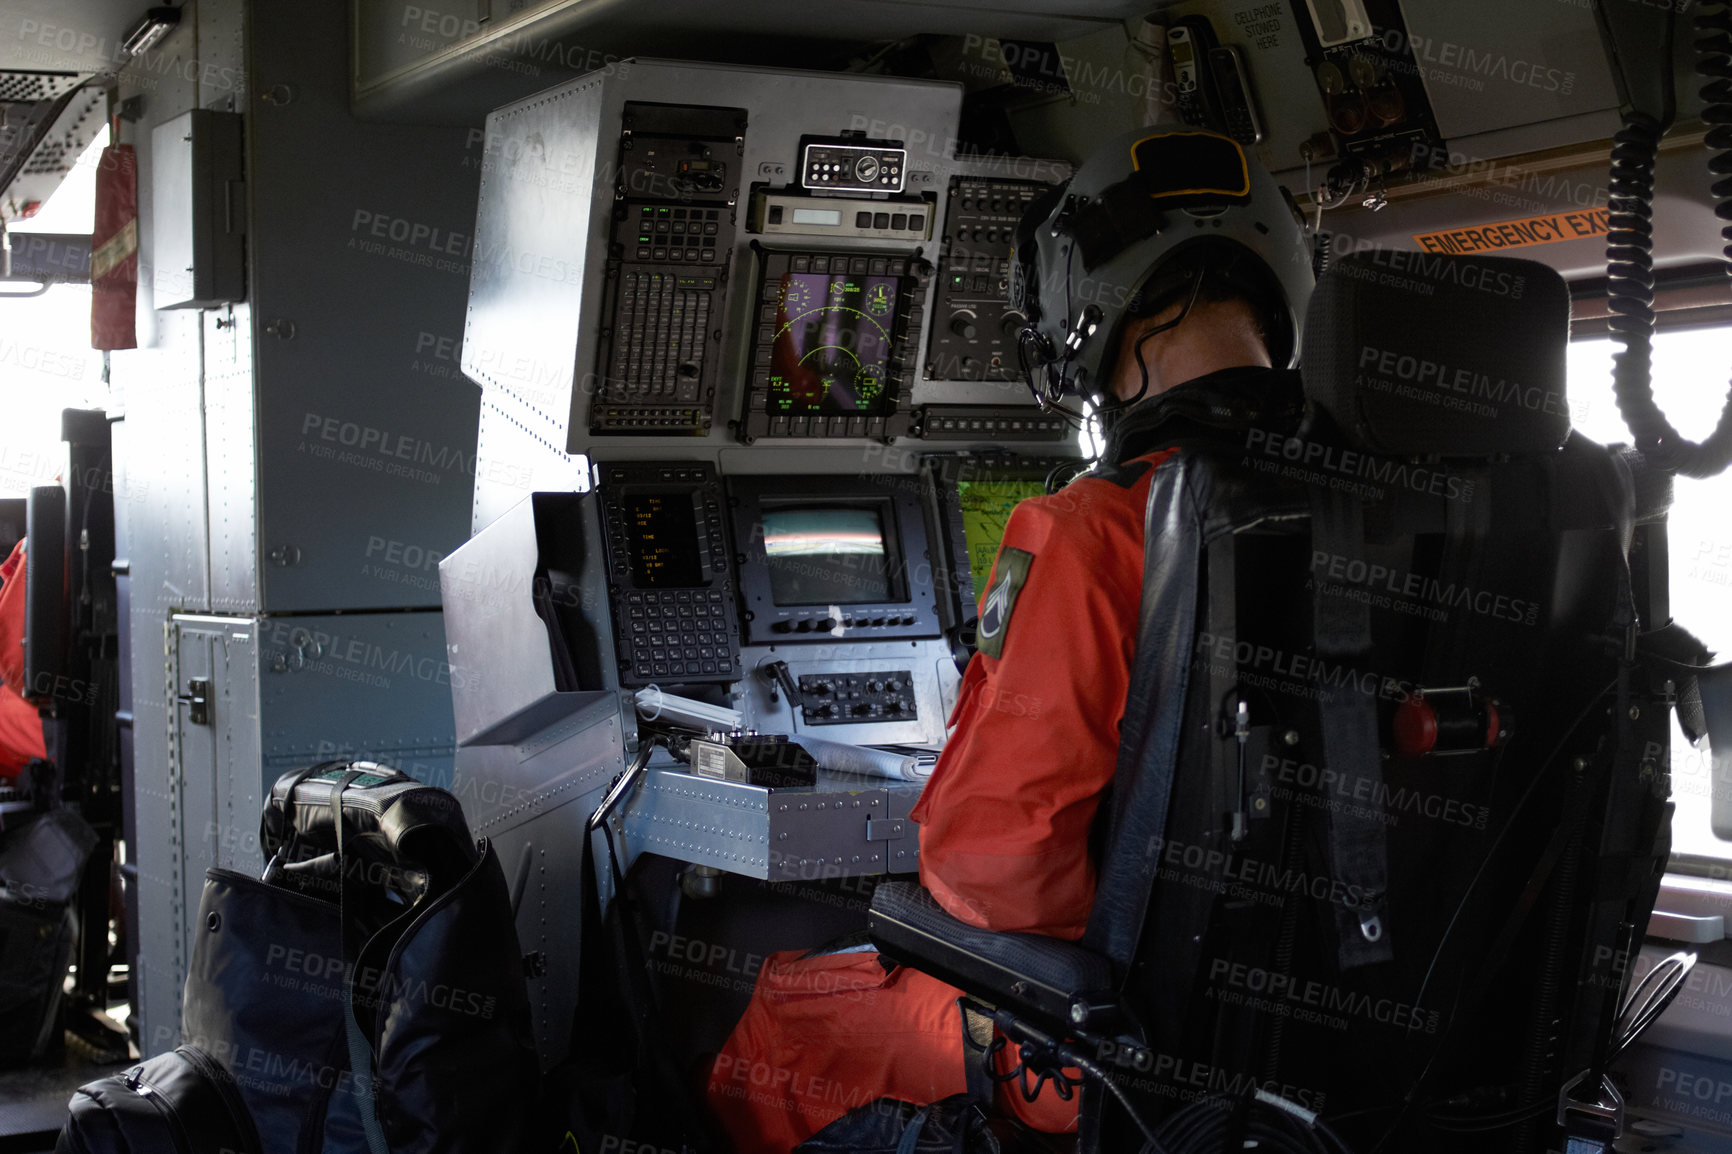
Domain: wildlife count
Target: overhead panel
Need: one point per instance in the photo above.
(454, 61)
(46, 123)
(1492, 67)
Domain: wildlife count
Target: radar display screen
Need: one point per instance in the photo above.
(832, 344)
(827, 555)
(662, 529)
(986, 507)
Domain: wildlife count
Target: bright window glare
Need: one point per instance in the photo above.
(72, 208)
(46, 362)
(1691, 368)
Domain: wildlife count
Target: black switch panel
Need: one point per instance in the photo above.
(858, 698)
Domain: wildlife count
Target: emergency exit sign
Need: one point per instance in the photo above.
(1530, 230)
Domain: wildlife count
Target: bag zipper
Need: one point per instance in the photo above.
(219, 1077)
(169, 1114)
(396, 954)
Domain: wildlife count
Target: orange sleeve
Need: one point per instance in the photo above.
(12, 621)
(1005, 819)
(20, 734)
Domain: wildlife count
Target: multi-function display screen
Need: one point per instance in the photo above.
(986, 507)
(832, 343)
(827, 555)
(662, 529)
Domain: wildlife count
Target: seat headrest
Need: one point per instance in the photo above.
(1415, 353)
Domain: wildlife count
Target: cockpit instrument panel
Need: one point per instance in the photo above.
(669, 580)
(833, 345)
(671, 243)
(972, 496)
(971, 384)
(832, 558)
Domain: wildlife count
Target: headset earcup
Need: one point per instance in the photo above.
(1025, 275)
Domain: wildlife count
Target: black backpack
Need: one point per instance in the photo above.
(181, 1102)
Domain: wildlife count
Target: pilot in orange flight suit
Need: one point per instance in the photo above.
(1006, 817)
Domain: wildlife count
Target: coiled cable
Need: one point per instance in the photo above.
(1630, 255)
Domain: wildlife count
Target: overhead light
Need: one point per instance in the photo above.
(151, 27)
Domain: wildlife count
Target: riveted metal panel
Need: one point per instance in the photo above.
(231, 840)
(547, 922)
(506, 784)
(775, 834)
(160, 498)
(360, 684)
(230, 453)
(366, 437)
(160, 855)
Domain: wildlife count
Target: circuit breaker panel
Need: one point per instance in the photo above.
(670, 245)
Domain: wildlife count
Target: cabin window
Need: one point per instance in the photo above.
(1691, 368)
(46, 362)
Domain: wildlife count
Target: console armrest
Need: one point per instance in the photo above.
(1031, 974)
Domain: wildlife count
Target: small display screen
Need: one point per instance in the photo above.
(829, 216)
(986, 507)
(1181, 51)
(663, 531)
(827, 555)
(832, 343)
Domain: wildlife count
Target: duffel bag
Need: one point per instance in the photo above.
(181, 1102)
(368, 994)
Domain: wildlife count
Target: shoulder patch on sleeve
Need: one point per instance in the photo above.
(995, 610)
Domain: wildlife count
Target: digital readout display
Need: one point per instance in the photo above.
(827, 556)
(662, 529)
(832, 344)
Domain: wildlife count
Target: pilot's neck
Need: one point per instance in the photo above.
(1212, 338)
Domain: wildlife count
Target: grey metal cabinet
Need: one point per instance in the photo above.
(245, 699)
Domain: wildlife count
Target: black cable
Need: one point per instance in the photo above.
(1658, 988)
(1630, 256)
(1045, 396)
(1152, 1143)
(1156, 330)
(1485, 1122)
(1261, 1121)
(1053, 477)
(1540, 775)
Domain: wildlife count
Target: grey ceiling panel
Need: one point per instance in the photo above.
(475, 55)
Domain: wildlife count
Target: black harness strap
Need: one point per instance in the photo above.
(360, 1048)
(1154, 713)
(1357, 849)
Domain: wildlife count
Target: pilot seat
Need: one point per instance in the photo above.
(1391, 804)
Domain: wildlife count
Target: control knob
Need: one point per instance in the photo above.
(1011, 323)
(962, 324)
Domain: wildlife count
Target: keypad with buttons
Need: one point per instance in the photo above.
(659, 355)
(670, 634)
(684, 633)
